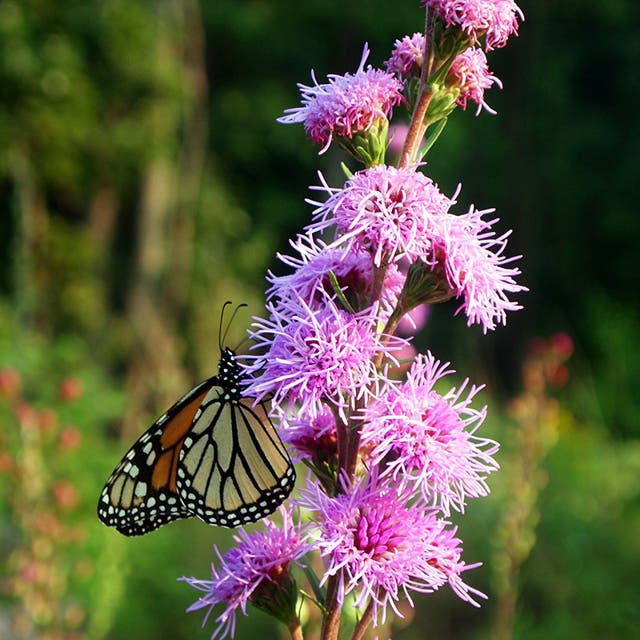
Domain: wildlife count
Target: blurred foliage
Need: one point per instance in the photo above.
(143, 181)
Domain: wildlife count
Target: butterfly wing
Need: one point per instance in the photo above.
(141, 494)
(232, 467)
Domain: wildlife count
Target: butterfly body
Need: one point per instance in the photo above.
(214, 454)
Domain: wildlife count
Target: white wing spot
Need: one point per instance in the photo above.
(141, 490)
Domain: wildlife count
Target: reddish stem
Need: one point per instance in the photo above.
(363, 623)
(417, 127)
(331, 622)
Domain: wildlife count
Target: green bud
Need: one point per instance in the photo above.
(368, 147)
(424, 285)
(278, 597)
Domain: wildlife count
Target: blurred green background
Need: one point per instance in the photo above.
(143, 181)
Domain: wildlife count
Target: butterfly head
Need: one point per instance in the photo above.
(230, 374)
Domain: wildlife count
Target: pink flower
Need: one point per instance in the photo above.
(400, 213)
(256, 570)
(471, 255)
(313, 356)
(352, 268)
(346, 105)
(470, 73)
(407, 56)
(382, 545)
(385, 211)
(428, 440)
(497, 19)
(313, 438)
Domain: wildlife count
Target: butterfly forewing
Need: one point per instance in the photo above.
(233, 468)
(141, 494)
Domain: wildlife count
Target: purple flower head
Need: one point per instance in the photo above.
(385, 211)
(313, 438)
(310, 279)
(470, 73)
(312, 356)
(407, 56)
(497, 19)
(255, 570)
(428, 440)
(471, 256)
(346, 105)
(382, 545)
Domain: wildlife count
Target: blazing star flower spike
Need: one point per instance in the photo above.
(256, 570)
(428, 440)
(345, 105)
(497, 19)
(383, 544)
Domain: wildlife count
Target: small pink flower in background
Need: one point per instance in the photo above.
(415, 320)
(70, 389)
(382, 544)
(406, 355)
(428, 440)
(470, 73)
(562, 345)
(497, 19)
(257, 567)
(10, 383)
(386, 211)
(346, 105)
(396, 137)
(407, 56)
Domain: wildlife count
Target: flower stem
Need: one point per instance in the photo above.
(331, 622)
(295, 629)
(363, 623)
(417, 127)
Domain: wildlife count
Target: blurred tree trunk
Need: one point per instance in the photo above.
(165, 230)
(32, 223)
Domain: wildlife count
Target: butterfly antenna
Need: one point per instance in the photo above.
(222, 337)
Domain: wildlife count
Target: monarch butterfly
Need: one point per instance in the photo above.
(213, 455)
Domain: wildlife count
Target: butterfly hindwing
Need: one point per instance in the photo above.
(233, 468)
(141, 494)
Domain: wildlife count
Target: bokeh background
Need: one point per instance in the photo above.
(143, 181)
